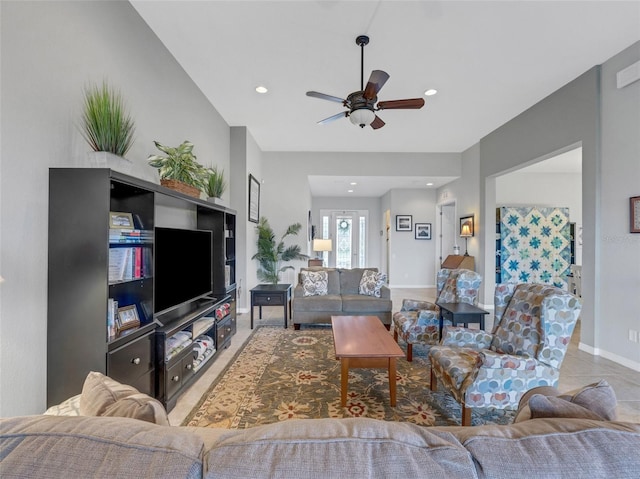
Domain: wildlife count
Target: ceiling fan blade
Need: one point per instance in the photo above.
(377, 123)
(376, 81)
(322, 96)
(342, 114)
(408, 104)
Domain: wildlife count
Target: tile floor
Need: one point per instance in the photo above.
(578, 369)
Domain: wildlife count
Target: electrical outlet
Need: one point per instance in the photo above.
(633, 335)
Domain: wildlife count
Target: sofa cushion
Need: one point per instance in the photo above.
(100, 391)
(543, 406)
(337, 448)
(139, 406)
(314, 283)
(97, 447)
(554, 448)
(68, 407)
(597, 397)
(354, 303)
(350, 280)
(594, 401)
(103, 396)
(371, 282)
(333, 278)
(329, 303)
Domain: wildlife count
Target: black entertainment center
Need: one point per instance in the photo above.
(141, 283)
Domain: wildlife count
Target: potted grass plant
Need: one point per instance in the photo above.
(179, 169)
(214, 185)
(271, 254)
(107, 126)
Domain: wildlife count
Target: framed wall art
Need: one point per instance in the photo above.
(423, 231)
(470, 229)
(634, 209)
(404, 223)
(254, 199)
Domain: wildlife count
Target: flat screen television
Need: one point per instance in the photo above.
(182, 270)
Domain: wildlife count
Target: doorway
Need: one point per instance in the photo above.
(447, 236)
(348, 230)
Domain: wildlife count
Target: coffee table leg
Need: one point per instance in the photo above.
(344, 380)
(392, 381)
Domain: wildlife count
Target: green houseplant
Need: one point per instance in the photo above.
(215, 184)
(179, 169)
(271, 255)
(106, 125)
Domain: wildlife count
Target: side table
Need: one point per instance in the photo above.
(271, 295)
(461, 313)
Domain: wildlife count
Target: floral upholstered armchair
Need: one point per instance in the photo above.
(417, 322)
(533, 327)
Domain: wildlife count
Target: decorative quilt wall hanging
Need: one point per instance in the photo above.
(534, 245)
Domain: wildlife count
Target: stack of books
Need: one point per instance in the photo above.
(120, 236)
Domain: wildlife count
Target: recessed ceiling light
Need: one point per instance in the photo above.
(430, 92)
(429, 184)
(349, 191)
(353, 183)
(261, 89)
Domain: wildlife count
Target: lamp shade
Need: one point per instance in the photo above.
(321, 245)
(362, 117)
(466, 230)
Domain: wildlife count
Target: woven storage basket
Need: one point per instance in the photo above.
(181, 187)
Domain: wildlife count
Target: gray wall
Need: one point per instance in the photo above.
(589, 112)
(50, 51)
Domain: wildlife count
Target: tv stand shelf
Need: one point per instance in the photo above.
(178, 369)
(87, 276)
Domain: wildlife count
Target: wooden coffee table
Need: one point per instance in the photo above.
(364, 342)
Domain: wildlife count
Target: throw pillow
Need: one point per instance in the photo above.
(139, 406)
(597, 397)
(372, 282)
(99, 392)
(315, 283)
(543, 406)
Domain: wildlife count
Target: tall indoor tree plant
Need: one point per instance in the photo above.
(271, 254)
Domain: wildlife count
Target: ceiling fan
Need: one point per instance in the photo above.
(362, 104)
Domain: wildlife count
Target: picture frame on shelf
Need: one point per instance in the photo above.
(128, 317)
(423, 231)
(121, 220)
(404, 223)
(254, 199)
(634, 213)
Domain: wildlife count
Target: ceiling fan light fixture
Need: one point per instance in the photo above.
(362, 117)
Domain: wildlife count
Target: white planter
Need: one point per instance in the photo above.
(216, 201)
(104, 159)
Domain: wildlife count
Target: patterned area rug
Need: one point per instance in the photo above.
(282, 374)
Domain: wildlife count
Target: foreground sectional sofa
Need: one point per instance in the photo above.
(109, 447)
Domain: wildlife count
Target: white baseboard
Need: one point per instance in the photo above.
(608, 355)
(411, 286)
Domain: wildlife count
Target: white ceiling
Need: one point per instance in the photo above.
(489, 61)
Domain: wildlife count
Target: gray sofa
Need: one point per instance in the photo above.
(108, 447)
(111, 430)
(342, 299)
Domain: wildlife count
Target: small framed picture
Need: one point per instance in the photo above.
(404, 223)
(423, 231)
(128, 317)
(467, 227)
(634, 208)
(119, 220)
(254, 199)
